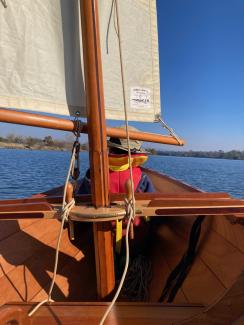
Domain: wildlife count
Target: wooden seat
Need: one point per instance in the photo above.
(91, 313)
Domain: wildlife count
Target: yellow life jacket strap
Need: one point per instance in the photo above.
(119, 163)
(118, 236)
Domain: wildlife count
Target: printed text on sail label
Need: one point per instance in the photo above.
(140, 97)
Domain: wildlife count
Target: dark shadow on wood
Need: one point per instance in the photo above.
(37, 258)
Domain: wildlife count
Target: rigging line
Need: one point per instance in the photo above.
(109, 22)
(66, 207)
(127, 260)
(131, 203)
(4, 3)
(171, 131)
(125, 102)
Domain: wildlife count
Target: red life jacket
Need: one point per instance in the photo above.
(117, 179)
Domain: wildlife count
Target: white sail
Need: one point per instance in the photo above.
(41, 57)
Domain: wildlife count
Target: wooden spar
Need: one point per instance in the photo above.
(97, 144)
(50, 122)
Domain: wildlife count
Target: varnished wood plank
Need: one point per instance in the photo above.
(14, 315)
(217, 252)
(163, 196)
(225, 260)
(76, 271)
(231, 232)
(196, 202)
(9, 227)
(76, 275)
(19, 247)
(166, 184)
(196, 211)
(76, 281)
(127, 314)
(201, 285)
(36, 206)
(227, 310)
(24, 281)
(54, 198)
(28, 215)
(161, 271)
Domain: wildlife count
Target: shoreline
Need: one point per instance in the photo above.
(21, 146)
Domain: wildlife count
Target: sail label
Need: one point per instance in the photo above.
(140, 97)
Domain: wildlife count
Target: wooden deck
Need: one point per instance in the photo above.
(27, 249)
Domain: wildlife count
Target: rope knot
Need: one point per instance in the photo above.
(66, 210)
(129, 209)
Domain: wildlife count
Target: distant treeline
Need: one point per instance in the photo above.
(46, 142)
(233, 154)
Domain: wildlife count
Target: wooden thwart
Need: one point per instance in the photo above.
(52, 198)
(190, 205)
(91, 313)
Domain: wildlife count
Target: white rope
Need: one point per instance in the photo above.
(127, 260)
(131, 205)
(66, 207)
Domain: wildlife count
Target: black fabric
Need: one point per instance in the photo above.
(178, 275)
(145, 185)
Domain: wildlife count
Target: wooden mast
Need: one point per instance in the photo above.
(97, 143)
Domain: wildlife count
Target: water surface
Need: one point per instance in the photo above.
(25, 172)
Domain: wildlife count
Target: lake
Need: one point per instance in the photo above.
(25, 172)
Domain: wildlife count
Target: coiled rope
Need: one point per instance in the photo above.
(136, 283)
(66, 207)
(129, 205)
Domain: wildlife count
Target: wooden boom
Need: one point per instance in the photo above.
(50, 122)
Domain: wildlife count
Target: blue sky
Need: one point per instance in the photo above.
(201, 47)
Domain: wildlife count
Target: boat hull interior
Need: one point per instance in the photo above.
(27, 251)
